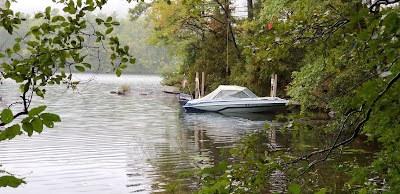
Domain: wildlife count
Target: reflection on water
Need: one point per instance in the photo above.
(109, 143)
(132, 143)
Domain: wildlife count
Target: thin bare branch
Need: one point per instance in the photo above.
(226, 11)
(356, 131)
(375, 6)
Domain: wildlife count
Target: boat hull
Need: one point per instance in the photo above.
(241, 106)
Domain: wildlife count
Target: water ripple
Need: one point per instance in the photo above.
(116, 144)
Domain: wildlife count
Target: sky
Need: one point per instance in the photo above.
(121, 7)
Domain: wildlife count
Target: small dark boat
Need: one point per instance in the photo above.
(183, 98)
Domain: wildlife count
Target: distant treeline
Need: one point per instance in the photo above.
(149, 58)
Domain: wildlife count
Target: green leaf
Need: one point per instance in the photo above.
(38, 15)
(9, 52)
(27, 127)
(39, 92)
(99, 33)
(37, 110)
(16, 20)
(79, 68)
(295, 188)
(48, 10)
(115, 23)
(72, 9)
(65, 24)
(118, 72)
(363, 191)
(37, 124)
(10, 181)
(79, 3)
(109, 19)
(132, 60)
(32, 43)
(26, 119)
(26, 87)
(2, 55)
(99, 21)
(364, 35)
(35, 30)
(16, 47)
(49, 124)
(222, 166)
(8, 4)
(113, 56)
(10, 132)
(87, 65)
(90, 8)
(109, 30)
(50, 117)
(322, 191)
(7, 116)
(57, 18)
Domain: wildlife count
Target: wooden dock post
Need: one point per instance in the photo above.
(274, 85)
(203, 77)
(196, 93)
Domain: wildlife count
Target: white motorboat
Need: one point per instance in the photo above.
(237, 99)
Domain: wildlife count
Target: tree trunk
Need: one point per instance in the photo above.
(250, 10)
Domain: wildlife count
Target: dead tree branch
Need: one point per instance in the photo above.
(356, 131)
(375, 6)
(226, 11)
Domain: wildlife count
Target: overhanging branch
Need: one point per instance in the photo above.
(226, 11)
(376, 4)
(356, 131)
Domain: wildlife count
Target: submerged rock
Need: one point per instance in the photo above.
(170, 89)
(118, 92)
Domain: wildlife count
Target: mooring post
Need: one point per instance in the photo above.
(274, 84)
(271, 93)
(203, 77)
(196, 94)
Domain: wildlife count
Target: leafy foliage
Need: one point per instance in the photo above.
(330, 55)
(197, 32)
(47, 54)
(10, 181)
(360, 68)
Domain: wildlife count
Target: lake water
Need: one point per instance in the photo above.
(109, 143)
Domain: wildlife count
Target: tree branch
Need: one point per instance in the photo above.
(15, 116)
(230, 27)
(356, 131)
(377, 3)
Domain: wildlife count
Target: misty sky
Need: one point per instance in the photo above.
(121, 7)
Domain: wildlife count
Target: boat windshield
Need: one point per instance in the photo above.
(225, 92)
(250, 93)
(235, 94)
